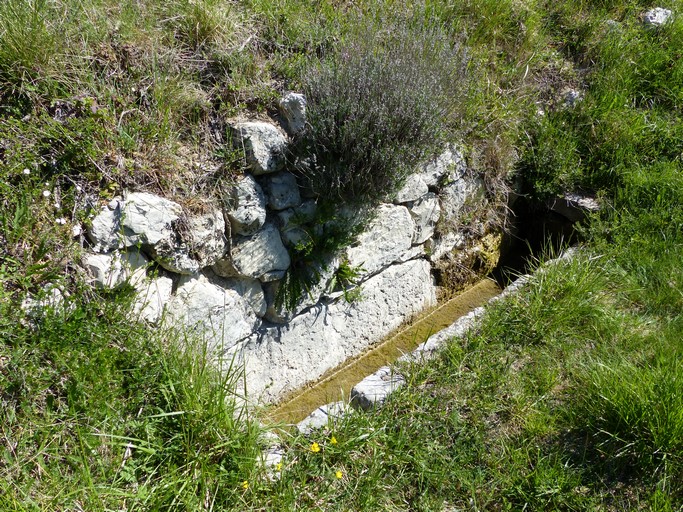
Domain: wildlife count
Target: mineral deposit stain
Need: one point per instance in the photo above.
(337, 383)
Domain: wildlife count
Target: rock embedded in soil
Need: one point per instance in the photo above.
(657, 17)
(374, 389)
(448, 166)
(113, 269)
(152, 297)
(197, 242)
(264, 146)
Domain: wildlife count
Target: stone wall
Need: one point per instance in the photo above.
(216, 274)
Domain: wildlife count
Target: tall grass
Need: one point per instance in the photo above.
(100, 414)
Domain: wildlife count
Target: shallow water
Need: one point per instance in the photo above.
(337, 383)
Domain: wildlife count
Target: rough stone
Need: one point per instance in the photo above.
(271, 457)
(152, 297)
(292, 223)
(179, 243)
(294, 236)
(282, 191)
(461, 192)
(437, 248)
(293, 110)
(147, 219)
(571, 97)
(112, 270)
(197, 242)
(448, 166)
(279, 359)
(225, 267)
(139, 220)
(657, 17)
(260, 254)
(264, 146)
(218, 315)
(250, 290)
(373, 390)
(273, 275)
(573, 207)
(324, 416)
(386, 238)
(245, 206)
(279, 314)
(426, 213)
(417, 251)
(51, 298)
(105, 229)
(413, 189)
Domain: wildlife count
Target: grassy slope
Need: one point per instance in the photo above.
(567, 398)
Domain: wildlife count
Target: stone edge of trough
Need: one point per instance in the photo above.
(374, 389)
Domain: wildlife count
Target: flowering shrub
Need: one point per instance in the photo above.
(377, 106)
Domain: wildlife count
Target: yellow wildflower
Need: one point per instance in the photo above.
(315, 447)
(278, 466)
(245, 485)
(333, 440)
(339, 474)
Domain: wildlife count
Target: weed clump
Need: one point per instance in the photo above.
(377, 106)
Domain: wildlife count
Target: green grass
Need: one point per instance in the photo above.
(99, 413)
(566, 398)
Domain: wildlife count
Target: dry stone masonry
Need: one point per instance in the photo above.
(217, 273)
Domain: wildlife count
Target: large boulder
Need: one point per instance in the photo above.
(178, 242)
(245, 206)
(139, 219)
(387, 237)
(262, 255)
(280, 359)
(220, 316)
(264, 146)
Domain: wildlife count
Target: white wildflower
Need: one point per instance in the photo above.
(27, 171)
(61, 221)
(46, 193)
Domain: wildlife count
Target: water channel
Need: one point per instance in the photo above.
(534, 229)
